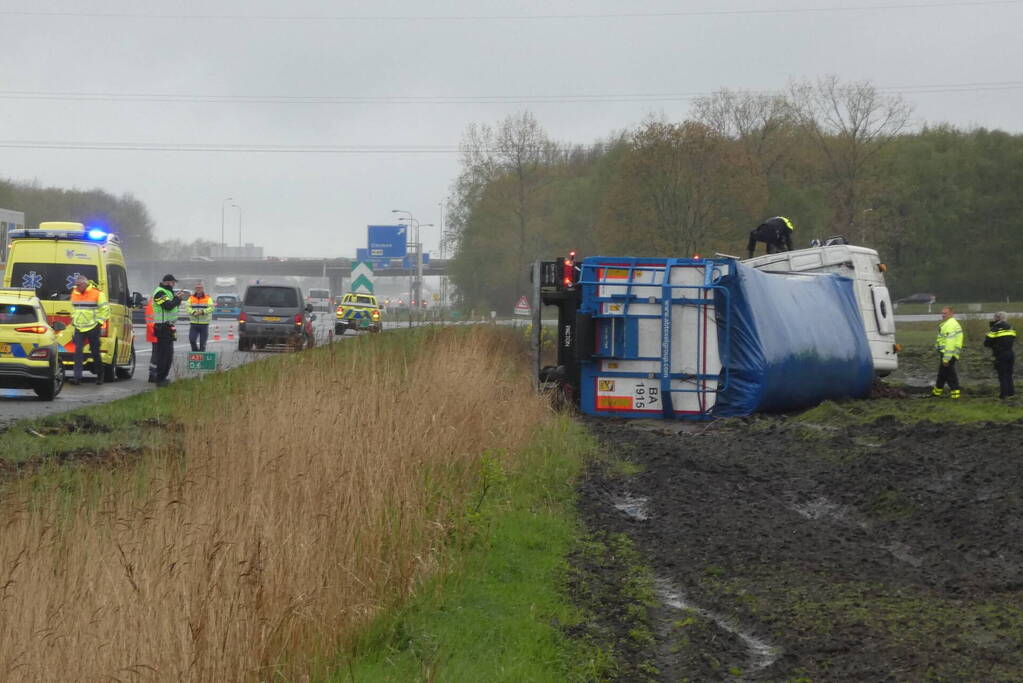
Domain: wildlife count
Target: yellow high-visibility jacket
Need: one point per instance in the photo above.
(950, 340)
(89, 308)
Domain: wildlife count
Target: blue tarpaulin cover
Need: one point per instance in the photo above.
(795, 340)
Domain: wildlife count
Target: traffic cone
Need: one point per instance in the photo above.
(216, 333)
(230, 333)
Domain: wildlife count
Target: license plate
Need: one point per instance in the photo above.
(5, 348)
(271, 319)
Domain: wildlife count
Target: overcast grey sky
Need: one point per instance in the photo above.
(197, 53)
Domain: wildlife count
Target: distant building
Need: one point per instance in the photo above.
(249, 251)
(9, 220)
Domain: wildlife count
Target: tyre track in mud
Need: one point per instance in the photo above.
(785, 551)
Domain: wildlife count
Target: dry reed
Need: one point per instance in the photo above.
(301, 507)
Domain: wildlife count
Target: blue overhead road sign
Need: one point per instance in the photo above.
(387, 241)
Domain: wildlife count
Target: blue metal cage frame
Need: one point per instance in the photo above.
(710, 294)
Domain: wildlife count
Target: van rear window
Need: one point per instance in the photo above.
(274, 297)
(52, 281)
(319, 293)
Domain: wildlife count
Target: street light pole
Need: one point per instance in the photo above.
(223, 205)
(239, 229)
(411, 282)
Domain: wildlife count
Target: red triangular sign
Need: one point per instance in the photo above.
(522, 306)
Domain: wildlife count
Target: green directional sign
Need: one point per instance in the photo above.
(362, 278)
(202, 360)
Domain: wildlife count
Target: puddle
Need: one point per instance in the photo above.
(761, 654)
(633, 506)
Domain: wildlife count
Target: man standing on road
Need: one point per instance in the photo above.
(165, 315)
(1000, 340)
(200, 313)
(949, 345)
(89, 312)
(775, 233)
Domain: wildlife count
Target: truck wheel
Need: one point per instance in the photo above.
(128, 371)
(47, 391)
(339, 330)
(244, 344)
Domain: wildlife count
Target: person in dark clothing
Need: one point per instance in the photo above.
(1000, 340)
(165, 315)
(775, 232)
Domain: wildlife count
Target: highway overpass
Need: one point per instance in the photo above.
(145, 274)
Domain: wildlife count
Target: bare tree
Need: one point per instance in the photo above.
(762, 123)
(675, 186)
(851, 123)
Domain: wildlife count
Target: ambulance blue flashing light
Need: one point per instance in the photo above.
(97, 234)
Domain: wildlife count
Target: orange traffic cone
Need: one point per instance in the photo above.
(216, 333)
(230, 333)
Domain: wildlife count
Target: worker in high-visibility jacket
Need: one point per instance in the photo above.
(949, 345)
(200, 313)
(89, 313)
(775, 233)
(151, 338)
(1000, 340)
(165, 315)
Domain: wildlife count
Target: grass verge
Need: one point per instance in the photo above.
(299, 499)
(501, 612)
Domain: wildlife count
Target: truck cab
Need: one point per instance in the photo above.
(861, 265)
(49, 258)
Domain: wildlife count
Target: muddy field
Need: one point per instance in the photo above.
(780, 550)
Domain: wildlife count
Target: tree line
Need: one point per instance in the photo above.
(124, 215)
(942, 205)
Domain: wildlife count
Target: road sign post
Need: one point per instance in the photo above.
(522, 307)
(203, 361)
(362, 278)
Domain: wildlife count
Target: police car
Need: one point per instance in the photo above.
(28, 345)
(358, 312)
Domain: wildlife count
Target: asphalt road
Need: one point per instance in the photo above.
(16, 404)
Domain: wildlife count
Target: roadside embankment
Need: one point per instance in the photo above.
(269, 515)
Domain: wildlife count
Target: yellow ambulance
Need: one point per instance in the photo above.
(48, 260)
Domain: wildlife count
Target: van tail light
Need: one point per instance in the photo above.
(242, 318)
(298, 318)
(32, 329)
(39, 354)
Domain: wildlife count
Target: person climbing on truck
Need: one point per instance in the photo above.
(775, 233)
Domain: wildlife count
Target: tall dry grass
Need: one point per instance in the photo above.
(319, 492)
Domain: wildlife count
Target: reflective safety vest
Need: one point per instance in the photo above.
(160, 314)
(88, 308)
(950, 339)
(200, 310)
(788, 223)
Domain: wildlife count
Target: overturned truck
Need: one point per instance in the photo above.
(694, 338)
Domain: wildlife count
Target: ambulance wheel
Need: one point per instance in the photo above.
(110, 371)
(128, 371)
(48, 390)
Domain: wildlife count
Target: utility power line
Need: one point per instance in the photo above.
(506, 17)
(563, 98)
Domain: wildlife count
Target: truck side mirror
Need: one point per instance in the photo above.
(136, 300)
